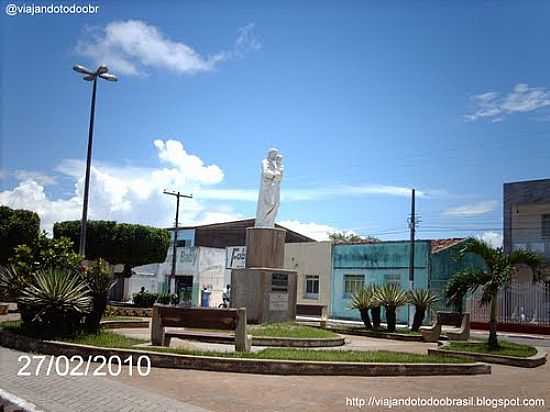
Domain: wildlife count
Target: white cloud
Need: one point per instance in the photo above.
(128, 47)
(313, 230)
(129, 194)
(473, 209)
(494, 106)
(42, 178)
(308, 194)
(494, 239)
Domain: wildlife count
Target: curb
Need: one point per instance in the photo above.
(381, 335)
(12, 403)
(531, 362)
(243, 365)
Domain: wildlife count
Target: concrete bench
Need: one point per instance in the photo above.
(220, 319)
(460, 321)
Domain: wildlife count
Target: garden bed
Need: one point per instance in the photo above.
(268, 361)
(510, 354)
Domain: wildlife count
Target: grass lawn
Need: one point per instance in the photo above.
(506, 348)
(289, 330)
(108, 339)
(113, 340)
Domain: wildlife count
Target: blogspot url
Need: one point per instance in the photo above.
(13, 9)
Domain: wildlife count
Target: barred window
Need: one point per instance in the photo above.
(352, 284)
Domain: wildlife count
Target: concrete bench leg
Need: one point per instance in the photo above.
(157, 330)
(242, 340)
(431, 333)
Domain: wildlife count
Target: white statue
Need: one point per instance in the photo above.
(270, 189)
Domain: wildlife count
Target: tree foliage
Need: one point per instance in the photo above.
(17, 227)
(500, 267)
(346, 237)
(118, 243)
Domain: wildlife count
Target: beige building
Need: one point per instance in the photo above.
(313, 262)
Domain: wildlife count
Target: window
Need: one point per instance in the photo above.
(181, 243)
(312, 287)
(546, 227)
(395, 279)
(352, 284)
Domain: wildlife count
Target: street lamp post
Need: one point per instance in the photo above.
(103, 72)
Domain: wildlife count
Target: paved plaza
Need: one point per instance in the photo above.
(191, 390)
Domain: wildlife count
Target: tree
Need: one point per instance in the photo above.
(391, 296)
(348, 237)
(17, 227)
(118, 243)
(500, 268)
(422, 299)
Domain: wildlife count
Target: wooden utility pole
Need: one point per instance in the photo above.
(178, 195)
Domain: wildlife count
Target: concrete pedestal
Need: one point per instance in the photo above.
(268, 294)
(266, 289)
(265, 247)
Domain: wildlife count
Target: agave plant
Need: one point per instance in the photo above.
(391, 296)
(55, 303)
(12, 282)
(99, 278)
(422, 299)
(363, 301)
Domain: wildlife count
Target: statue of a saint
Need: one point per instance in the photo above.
(270, 189)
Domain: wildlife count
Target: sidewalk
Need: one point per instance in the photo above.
(83, 394)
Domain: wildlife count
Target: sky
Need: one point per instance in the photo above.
(364, 99)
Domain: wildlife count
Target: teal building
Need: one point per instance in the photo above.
(357, 265)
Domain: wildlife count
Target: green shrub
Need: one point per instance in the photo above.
(17, 227)
(99, 278)
(144, 299)
(45, 253)
(118, 243)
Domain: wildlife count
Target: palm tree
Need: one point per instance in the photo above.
(391, 296)
(500, 267)
(364, 301)
(422, 299)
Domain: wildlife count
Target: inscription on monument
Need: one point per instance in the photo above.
(279, 282)
(278, 301)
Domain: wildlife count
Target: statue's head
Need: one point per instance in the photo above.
(279, 159)
(272, 154)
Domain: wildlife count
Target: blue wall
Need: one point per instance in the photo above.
(374, 261)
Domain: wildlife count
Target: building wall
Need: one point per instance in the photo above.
(205, 265)
(444, 265)
(311, 258)
(373, 262)
(523, 201)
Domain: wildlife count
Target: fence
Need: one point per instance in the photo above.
(521, 303)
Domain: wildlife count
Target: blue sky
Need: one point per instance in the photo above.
(364, 99)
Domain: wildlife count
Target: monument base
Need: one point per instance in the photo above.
(268, 294)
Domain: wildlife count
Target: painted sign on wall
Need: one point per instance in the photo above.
(235, 257)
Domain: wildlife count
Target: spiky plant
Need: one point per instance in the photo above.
(12, 282)
(422, 299)
(99, 278)
(500, 268)
(362, 300)
(55, 303)
(391, 296)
